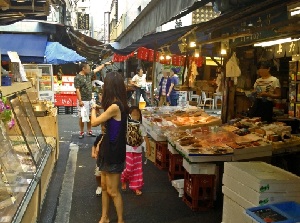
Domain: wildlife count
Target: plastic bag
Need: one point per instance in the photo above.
(84, 114)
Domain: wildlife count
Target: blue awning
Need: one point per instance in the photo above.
(58, 54)
(30, 47)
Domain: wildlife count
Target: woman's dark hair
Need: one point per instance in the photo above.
(114, 89)
(132, 108)
(138, 69)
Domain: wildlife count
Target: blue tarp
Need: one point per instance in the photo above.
(30, 47)
(56, 53)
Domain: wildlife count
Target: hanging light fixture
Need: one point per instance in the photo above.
(162, 54)
(161, 57)
(198, 52)
(275, 42)
(168, 53)
(192, 40)
(182, 46)
(224, 47)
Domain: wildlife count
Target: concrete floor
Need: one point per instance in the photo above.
(71, 194)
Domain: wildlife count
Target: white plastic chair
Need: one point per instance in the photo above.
(217, 96)
(194, 96)
(206, 99)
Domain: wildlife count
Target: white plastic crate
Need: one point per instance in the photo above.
(179, 186)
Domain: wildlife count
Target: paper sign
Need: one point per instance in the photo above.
(13, 56)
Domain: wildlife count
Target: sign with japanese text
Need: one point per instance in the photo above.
(83, 21)
(65, 100)
(260, 21)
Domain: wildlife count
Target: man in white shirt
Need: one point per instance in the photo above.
(139, 81)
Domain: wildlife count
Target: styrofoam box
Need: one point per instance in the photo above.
(199, 168)
(237, 198)
(259, 198)
(247, 156)
(254, 149)
(261, 176)
(157, 137)
(234, 213)
(172, 149)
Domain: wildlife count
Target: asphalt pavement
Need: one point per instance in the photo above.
(71, 194)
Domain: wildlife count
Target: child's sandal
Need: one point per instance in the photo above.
(138, 192)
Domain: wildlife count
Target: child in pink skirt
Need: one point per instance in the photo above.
(133, 172)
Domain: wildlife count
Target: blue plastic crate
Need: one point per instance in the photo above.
(283, 212)
(5, 81)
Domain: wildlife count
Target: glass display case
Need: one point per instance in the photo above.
(23, 150)
(44, 80)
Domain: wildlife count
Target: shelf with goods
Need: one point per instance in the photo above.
(41, 76)
(294, 89)
(28, 153)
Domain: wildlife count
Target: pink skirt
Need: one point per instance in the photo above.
(133, 172)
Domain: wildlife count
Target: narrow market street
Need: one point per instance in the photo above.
(71, 195)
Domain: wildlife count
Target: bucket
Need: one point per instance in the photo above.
(142, 104)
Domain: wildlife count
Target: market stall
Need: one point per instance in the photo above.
(28, 154)
(189, 143)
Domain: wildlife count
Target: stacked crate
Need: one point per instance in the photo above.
(199, 191)
(162, 155)
(252, 184)
(64, 110)
(199, 185)
(176, 170)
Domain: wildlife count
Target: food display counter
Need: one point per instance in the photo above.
(28, 153)
(201, 138)
(200, 144)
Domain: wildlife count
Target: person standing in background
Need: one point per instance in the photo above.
(83, 85)
(172, 93)
(139, 81)
(164, 85)
(267, 88)
(112, 154)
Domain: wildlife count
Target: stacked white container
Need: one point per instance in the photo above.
(251, 184)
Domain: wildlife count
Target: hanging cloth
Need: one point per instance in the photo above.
(232, 67)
